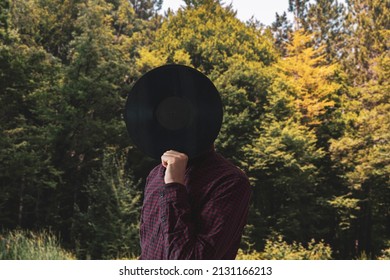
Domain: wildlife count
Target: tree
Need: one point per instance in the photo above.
(299, 8)
(28, 74)
(362, 154)
(145, 9)
(109, 228)
(197, 3)
(308, 76)
(93, 90)
(281, 30)
(235, 56)
(4, 18)
(368, 28)
(285, 159)
(65, 71)
(56, 26)
(326, 21)
(359, 153)
(209, 35)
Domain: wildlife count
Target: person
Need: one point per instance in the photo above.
(193, 209)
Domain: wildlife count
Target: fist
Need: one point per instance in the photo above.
(175, 164)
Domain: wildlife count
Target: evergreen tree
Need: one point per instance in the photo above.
(109, 228)
(326, 21)
(28, 80)
(357, 154)
(4, 18)
(281, 30)
(145, 9)
(197, 3)
(368, 28)
(299, 9)
(285, 159)
(56, 25)
(93, 90)
(362, 154)
(314, 138)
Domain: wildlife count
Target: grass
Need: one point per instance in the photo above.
(28, 245)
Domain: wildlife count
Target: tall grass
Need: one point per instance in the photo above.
(27, 245)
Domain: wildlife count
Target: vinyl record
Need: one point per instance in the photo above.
(173, 107)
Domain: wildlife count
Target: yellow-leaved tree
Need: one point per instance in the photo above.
(308, 78)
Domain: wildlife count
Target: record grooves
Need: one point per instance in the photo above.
(173, 107)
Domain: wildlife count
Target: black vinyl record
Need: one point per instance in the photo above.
(173, 107)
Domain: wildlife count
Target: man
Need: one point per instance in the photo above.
(194, 209)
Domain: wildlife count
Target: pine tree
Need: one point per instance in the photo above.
(369, 24)
(299, 9)
(145, 9)
(281, 30)
(326, 21)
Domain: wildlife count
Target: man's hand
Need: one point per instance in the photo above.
(175, 164)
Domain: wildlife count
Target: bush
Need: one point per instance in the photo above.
(27, 245)
(277, 249)
(385, 254)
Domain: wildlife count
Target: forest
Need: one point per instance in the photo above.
(306, 116)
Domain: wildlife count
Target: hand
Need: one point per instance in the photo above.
(175, 164)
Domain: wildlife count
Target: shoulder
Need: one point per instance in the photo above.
(227, 168)
(227, 173)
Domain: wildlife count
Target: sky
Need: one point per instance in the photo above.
(262, 10)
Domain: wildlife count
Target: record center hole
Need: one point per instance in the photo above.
(174, 113)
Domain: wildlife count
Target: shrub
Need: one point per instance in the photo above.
(385, 254)
(278, 249)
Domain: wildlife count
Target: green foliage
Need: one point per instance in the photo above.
(145, 9)
(243, 90)
(299, 9)
(281, 30)
(108, 228)
(27, 75)
(28, 245)
(210, 34)
(326, 20)
(278, 249)
(385, 254)
(362, 154)
(283, 158)
(305, 115)
(368, 24)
